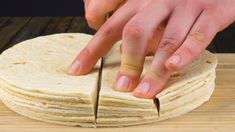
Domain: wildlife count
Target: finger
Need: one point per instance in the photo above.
(97, 10)
(156, 77)
(179, 24)
(103, 40)
(137, 35)
(197, 40)
(153, 45)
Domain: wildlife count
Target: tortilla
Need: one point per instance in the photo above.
(183, 88)
(36, 70)
(34, 83)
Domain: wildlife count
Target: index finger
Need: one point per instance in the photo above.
(96, 11)
(102, 42)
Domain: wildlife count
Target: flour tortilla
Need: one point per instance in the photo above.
(197, 80)
(40, 65)
(50, 108)
(36, 70)
(40, 88)
(46, 117)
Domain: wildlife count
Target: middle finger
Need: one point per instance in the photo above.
(137, 35)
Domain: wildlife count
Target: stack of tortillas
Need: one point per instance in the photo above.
(34, 83)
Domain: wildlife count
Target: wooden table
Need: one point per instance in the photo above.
(17, 29)
(216, 115)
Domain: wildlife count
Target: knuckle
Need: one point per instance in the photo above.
(131, 65)
(192, 52)
(158, 75)
(131, 69)
(197, 36)
(91, 16)
(133, 31)
(169, 44)
(189, 51)
(92, 19)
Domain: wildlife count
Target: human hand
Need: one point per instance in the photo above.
(96, 11)
(178, 29)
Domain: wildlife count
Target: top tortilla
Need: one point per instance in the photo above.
(40, 65)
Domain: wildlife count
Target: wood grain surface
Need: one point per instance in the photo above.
(216, 115)
(17, 29)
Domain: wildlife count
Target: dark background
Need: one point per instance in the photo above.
(38, 12)
(41, 8)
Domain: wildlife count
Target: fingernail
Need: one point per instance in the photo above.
(143, 88)
(74, 67)
(175, 59)
(123, 83)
